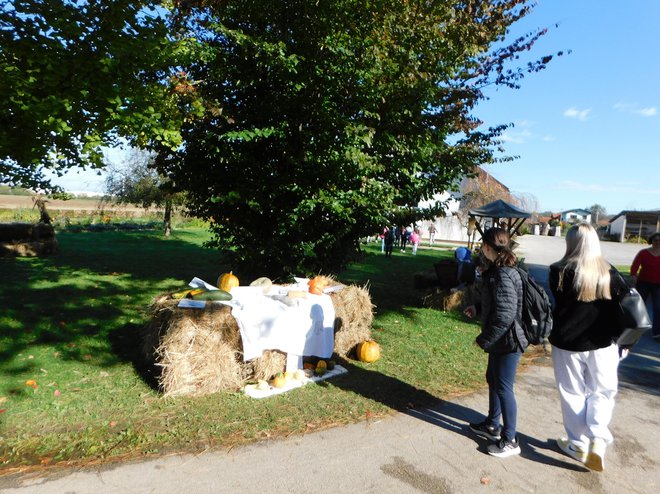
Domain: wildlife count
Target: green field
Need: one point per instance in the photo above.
(73, 389)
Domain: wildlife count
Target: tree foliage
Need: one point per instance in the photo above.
(295, 126)
(79, 75)
(321, 117)
(136, 182)
(598, 212)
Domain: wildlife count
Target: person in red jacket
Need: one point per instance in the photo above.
(645, 275)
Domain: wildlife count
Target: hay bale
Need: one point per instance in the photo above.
(24, 232)
(28, 248)
(201, 351)
(454, 299)
(353, 317)
(270, 363)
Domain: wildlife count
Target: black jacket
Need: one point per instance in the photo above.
(501, 309)
(583, 326)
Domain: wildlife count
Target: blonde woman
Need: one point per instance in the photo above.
(584, 357)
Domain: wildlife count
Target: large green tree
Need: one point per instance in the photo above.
(78, 75)
(323, 116)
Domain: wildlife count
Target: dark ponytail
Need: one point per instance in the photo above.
(500, 241)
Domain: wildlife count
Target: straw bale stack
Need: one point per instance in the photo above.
(353, 318)
(455, 299)
(200, 351)
(27, 239)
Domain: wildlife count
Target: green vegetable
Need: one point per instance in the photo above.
(213, 295)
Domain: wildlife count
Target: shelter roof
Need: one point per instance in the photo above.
(500, 209)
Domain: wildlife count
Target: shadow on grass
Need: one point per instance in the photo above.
(127, 344)
(449, 415)
(87, 301)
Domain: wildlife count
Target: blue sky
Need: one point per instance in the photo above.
(586, 129)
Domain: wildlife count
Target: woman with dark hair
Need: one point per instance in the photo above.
(645, 275)
(503, 338)
(585, 359)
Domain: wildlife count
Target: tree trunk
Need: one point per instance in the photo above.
(167, 218)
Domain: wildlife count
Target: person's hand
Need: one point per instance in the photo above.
(470, 311)
(633, 281)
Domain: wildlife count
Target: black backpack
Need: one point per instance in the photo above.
(536, 310)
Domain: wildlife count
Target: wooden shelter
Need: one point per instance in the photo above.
(498, 213)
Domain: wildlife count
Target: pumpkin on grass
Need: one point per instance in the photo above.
(368, 351)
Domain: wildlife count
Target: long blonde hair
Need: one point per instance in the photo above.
(592, 271)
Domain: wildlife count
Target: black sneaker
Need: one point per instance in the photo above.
(504, 448)
(487, 431)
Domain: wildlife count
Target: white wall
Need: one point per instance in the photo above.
(618, 226)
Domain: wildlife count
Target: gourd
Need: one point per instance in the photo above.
(368, 351)
(321, 368)
(227, 281)
(262, 385)
(264, 283)
(279, 381)
(316, 285)
(213, 295)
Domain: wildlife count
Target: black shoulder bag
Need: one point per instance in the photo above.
(633, 317)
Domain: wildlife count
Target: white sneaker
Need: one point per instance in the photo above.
(571, 449)
(596, 457)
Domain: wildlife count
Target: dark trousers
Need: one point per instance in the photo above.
(500, 375)
(652, 291)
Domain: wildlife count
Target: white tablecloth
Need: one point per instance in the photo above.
(307, 328)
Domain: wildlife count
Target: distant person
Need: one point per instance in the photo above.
(414, 241)
(432, 232)
(405, 237)
(397, 235)
(463, 257)
(389, 242)
(584, 357)
(645, 276)
(503, 339)
(382, 239)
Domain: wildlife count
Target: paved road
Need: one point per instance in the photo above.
(544, 251)
(427, 450)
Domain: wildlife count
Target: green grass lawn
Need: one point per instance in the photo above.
(73, 389)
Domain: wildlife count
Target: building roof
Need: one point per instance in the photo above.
(653, 213)
(576, 210)
(500, 209)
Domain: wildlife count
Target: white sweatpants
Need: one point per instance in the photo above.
(587, 383)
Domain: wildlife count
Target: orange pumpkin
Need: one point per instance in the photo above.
(316, 285)
(279, 381)
(368, 351)
(227, 281)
